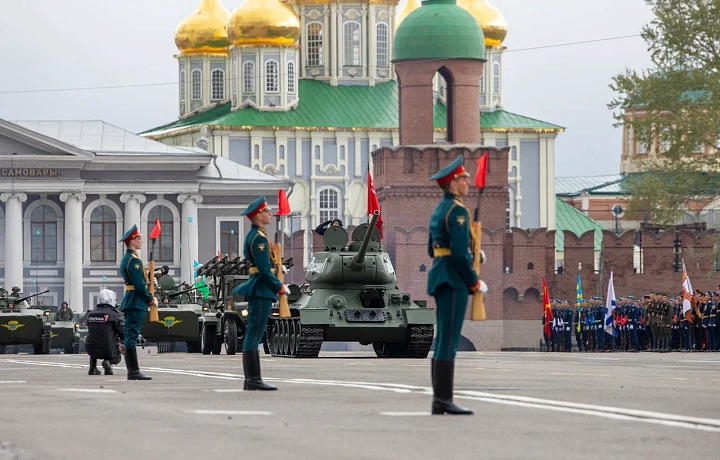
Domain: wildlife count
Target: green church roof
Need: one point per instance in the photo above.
(439, 29)
(569, 218)
(323, 107)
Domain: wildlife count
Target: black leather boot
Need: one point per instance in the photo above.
(443, 373)
(251, 369)
(108, 368)
(132, 365)
(93, 367)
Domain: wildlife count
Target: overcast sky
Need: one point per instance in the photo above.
(52, 44)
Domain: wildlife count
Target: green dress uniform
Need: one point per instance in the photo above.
(261, 290)
(450, 281)
(134, 303)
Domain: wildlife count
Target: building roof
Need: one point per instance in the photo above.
(103, 138)
(223, 169)
(579, 185)
(323, 107)
(569, 218)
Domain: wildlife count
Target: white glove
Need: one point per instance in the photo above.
(483, 258)
(285, 269)
(286, 290)
(483, 287)
(632, 327)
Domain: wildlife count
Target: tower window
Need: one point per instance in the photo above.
(314, 44)
(352, 43)
(382, 45)
(496, 78)
(249, 77)
(196, 82)
(329, 207)
(182, 85)
(291, 77)
(218, 85)
(272, 79)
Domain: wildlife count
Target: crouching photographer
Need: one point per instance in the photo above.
(106, 330)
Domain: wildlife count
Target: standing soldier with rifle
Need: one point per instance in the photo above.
(261, 289)
(450, 280)
(136, 300)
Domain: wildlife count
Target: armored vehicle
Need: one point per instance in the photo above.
(351, 296)
(178, 322)
(20, 325)
(65, 335)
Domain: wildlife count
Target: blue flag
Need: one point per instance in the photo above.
(578, 289)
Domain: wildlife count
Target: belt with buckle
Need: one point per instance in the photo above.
(129, 287)
(254, 270)
(441, 252)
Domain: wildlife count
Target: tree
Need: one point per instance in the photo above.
(675, 108)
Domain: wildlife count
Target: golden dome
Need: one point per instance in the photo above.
(204, 31)
(410, 6)
(263, 23)
(491, 20)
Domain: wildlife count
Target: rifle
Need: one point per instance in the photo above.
(277, 261)
(478, 302)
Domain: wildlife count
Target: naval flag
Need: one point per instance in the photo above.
(609, 306)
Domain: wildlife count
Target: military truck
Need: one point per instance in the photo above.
(351, 295)
(20, 325)
(177, 322)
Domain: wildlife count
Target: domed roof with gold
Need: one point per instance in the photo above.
(204, 31)
(263, 23)
(491, 20)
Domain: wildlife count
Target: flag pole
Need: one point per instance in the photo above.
(153, 307)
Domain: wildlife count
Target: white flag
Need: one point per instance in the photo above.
(609, 306)
(687, 290)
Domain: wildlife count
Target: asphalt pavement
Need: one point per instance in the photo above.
(351, 405)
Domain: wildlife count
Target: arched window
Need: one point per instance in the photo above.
(496, 78)
(43, 229)
(352, 43)
(103, 241)
(230, 238)
(382, 45)
(272, 79)
(314, 44)
(196, 85)
(182, 85)
(164, 243)
(218, 85)
(291, 77)
(328, 204)
(249, 77)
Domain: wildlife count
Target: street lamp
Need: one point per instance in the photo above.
(617, 211)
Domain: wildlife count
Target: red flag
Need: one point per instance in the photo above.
(374, 204)
(283, 204)
(547, 310)
(481, 170)
(156, 230)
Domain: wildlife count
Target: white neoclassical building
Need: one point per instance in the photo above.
(69, 190)
(304, 90)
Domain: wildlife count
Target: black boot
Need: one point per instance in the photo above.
(443, 373)
(93, 367)
(251, 369)
(131, 362)
(108, 368)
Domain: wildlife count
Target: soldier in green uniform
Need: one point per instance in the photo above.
(450, 280)
(136, 300)
(260, 290)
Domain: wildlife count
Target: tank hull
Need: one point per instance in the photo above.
(63, 335)
(174, 325)
(18, 329)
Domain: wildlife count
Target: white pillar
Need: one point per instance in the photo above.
(372, 39)
(334, 37)
(73, 249)
(13, 239)
(189, 235)
(132, 210)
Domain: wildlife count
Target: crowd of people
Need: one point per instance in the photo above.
(654, 322)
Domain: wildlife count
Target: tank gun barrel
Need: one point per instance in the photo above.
(22, 299)
(360, 257)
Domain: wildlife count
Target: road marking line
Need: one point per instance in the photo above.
(2, 382)
(228, 390)
(230, 412)
(87, 390)
(405, 414)
(616, 413)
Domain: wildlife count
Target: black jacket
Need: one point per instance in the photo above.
(106, 326)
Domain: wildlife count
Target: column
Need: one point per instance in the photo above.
(73, 249)
(372, 48)
(132, 210)
(334, 40)
(188, 235)
(13, 239)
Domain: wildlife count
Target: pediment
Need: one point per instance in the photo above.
(17, 141)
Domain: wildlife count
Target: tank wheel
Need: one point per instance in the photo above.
(193, 346)
(44, 344)
(230, 337)
(416, 345)
(289, 338)
(207, 339)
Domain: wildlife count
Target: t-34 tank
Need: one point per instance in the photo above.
(351, 295)
(20, 325)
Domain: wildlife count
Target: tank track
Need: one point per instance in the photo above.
(416, 345)
(288, 338)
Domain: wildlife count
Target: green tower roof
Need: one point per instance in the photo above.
(439, 29)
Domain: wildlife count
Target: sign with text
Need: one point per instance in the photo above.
(30, 172)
